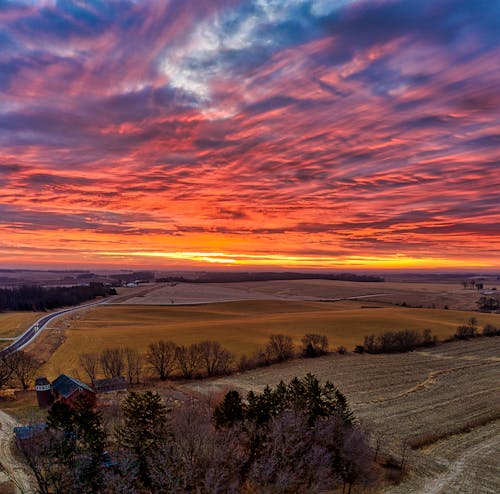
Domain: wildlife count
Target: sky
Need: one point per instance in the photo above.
(328, 134)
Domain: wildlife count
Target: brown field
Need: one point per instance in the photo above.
(13, 324)
(242, 327)
(429, 294)
(446, 397)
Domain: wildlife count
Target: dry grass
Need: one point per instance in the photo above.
(15, 323)
(240, 326)
(23, 406)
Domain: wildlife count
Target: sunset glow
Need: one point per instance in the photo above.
(296, 134)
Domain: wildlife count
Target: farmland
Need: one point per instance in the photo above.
(242, 326)
(13, 324)
(415, 294)
(446, 399)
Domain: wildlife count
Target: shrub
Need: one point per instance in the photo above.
(491, 330)
(314, 345)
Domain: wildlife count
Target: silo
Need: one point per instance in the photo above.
(43, 390)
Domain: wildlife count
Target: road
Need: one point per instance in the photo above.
(35, 329)
(16, 471)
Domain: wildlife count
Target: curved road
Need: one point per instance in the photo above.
(35, 329)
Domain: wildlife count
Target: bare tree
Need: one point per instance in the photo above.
(90, 364)
(214, 358)
(5, 370)
(133, 361)
(188, 359)
(314, 345)
(280, 347)
(24, 367)
(112, 362)
(161, 357)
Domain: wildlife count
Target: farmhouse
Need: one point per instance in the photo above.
(64, 389)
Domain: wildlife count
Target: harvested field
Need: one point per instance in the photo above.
(428, 294)
(13, 324)
(447, 397)
(242, 327)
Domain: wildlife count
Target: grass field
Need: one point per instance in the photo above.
(242, 326)
(13, 324)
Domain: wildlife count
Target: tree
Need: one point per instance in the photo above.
(161, 357)
(66, 457)
(306, 394)
(314, 345)
(467, 331)
(144, 421)
(280, 348)
(112, 362)
(133, 364)
(214, 358)
(188, 359)
(24, 367)
(229, 411)
(5, 370)
(90, 364)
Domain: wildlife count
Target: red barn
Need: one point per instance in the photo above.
(66, 389)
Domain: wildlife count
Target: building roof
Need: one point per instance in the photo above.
(66, 385)
(110, 384)
(28, 431)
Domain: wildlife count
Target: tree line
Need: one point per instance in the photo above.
(37, 298)
(298, 437)
(238, 277)
(397, 341)
(166, 359)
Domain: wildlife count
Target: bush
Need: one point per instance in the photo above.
(467, 331)
(490, 330)
(314, 345)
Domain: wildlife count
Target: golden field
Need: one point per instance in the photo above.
(243, 326)
(13, 324)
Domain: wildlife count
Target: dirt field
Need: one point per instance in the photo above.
(242, 327)
(418, 396)
(428, 294)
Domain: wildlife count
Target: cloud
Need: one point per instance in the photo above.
(344, 128)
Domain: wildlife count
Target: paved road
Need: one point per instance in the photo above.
(33, 331)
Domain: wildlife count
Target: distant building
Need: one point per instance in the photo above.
(111, 384)
(44, 394)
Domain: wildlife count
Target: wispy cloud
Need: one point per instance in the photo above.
(256, 130)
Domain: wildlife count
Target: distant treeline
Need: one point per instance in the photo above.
(37, 298)
(219, 277)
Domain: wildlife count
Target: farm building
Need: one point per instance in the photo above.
(66, 389)
(44, 394)
(25, 432)
(112, 384)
